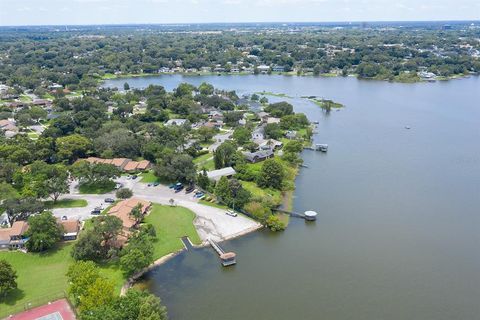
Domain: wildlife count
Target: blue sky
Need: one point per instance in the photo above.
(38, 12)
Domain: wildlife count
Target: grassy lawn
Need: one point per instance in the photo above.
(205, 161)
(41, 276)
(148, 177)
(66, 203)
(97, 189)
(256, 191)
(171, 223)
(213, 204)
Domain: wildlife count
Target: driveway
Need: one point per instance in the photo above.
(219, 139)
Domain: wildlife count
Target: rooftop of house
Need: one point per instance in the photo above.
(123, 209)
(70, 226)
(224, 172)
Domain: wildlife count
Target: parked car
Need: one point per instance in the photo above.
(150, 184)
(64, 218)
(134, 177)
(199, 195)
(96, 211)
(231, 213)
(109, 200)
(189, 189)
(118, 186)
(178, 188)
(172, 185)
(156, 184)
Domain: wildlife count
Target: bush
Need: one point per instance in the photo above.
(275, 224)
(258, 210)
(124, 193)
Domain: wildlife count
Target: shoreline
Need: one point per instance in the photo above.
(102, 79)
(130, 282)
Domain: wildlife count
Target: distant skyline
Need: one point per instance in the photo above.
(81, 12)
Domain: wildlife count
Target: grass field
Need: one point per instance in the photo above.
(205, 161)
(97, 189)
(66, 203)
(42, 275)
(171, 223)
(148, 177)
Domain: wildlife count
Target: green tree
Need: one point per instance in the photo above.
(73, 147)
(57, 183)
(176, 167)
(273, 131)
(293, 146)
(7, 191)
(43, 232)
(205, 133)
(21, 208)
(152, 309)
(126, 86)
(274, 223)
(124, 193)
(242, 135)
(232, 193)
(206, 89)
(101, 292)
(138, 254)
(272, 174)
(81, 275)
(8, 278)
(37, 113)
(224, 155)
(94, 174)
(88, 247)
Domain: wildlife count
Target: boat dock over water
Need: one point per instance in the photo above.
(308, 215)
(318, 147)
(227, 258)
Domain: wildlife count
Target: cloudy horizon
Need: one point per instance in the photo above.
(84, 12)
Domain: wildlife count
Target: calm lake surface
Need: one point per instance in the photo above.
(398, 232)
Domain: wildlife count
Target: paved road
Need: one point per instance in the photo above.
(219, 139)
(210, 222)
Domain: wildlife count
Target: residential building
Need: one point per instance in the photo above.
(14, 237)
(71, 229)
(224, 172)
(123, 209)
(258, 156)
(123, 164)
(176, 122)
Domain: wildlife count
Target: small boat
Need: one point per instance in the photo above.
(316, 122)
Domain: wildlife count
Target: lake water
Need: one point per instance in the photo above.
(398, 232)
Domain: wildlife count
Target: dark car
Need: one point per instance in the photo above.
(64, 218)
(96, 211)
(189, 189)
(156, 184)
(172, 186)
(109, 200)
(178, 188)
(134, 177)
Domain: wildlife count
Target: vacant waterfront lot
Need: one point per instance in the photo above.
(41, 277)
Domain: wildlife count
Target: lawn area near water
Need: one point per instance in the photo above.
(41, 276)
(171, 224)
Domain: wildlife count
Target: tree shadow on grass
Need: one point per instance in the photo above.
(12, 297)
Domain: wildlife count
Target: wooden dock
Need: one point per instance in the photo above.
(308, 215)
(227, 258)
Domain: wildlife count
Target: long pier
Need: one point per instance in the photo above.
(308, 215)
(227, 258)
